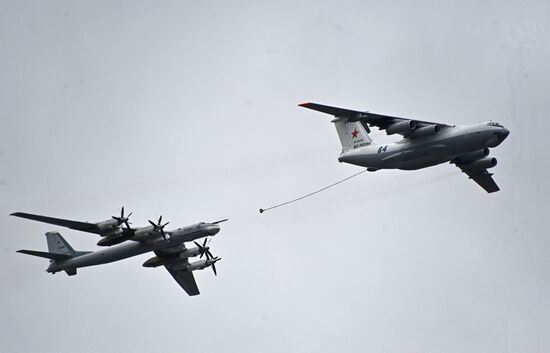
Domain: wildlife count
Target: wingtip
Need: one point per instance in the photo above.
(304, 104)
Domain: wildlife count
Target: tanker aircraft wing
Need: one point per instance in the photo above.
(380, 121)
(482, 177)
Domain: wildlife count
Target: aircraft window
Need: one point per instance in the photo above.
(493, 123)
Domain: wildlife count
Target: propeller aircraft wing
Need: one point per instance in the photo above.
(76, 225)
(82, 226)
(185, 279)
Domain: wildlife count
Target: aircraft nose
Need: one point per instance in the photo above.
(213, 229)
(503, 134)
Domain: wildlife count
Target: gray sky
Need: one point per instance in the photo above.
(190, 111)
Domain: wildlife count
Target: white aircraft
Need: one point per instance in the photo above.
(424, 143)
(168, 246)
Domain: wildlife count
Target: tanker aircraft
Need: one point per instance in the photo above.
(168, 246)
(424, 143)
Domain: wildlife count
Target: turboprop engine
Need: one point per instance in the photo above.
(182, 264)
(172, 259)
(111, 236)
(112, 239)
(111, 230)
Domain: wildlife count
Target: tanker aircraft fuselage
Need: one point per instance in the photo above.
(445, 146)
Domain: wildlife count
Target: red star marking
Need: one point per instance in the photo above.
(354, 133)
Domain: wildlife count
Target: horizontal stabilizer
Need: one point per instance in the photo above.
(47, 255)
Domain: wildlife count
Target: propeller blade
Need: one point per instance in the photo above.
(214, 268)
(160, 220)
(122, 219)
(223, 220)
(153, 224)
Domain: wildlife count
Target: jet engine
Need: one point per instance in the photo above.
(472, 156)
(425, 131)
(401, 127)
(482, 163)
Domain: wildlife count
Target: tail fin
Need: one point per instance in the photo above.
(58, 245)
(58, 250)
(352, 134)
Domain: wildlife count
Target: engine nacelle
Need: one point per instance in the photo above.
(152, 262)
(183, 265)
(401, 127)
(112, 240)
(480, 164)
(163, 261)
(115, 232)
(426, 131)
(472, 156)
(108, 224)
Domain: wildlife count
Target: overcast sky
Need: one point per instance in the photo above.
(189, 110)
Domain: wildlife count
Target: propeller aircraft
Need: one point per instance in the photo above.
(168, 246)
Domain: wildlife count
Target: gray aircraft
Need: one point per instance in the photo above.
(168, 246)
(424, 143)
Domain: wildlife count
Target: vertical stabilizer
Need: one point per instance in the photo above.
(58, 245)
(352, 134)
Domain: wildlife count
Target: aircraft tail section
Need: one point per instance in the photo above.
(58, 245)
(352, 134)
(352, 130)
(59, 250)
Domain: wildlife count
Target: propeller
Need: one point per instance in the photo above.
(123, 219)
(210, 259)
(204, 250)
(159, 227)
(223, 220)
(212, 263)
